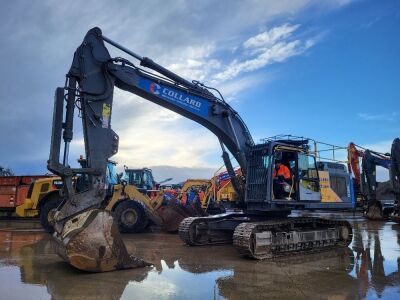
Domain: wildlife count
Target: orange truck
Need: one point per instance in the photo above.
(14, 190)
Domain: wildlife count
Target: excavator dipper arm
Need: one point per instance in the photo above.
(367, 179)
(90, 87)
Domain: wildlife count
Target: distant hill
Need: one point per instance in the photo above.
(180, 174)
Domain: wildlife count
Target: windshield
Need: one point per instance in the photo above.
(112, 177)
(148, 180)
(134, 177)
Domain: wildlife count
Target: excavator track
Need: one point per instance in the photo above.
(184, 231)
(195, 231)
(280, 237)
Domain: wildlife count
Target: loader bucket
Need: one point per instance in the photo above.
(174, 213)
(172, 216)
(91, 242)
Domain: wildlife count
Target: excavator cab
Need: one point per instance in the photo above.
(307, 184)
(301, 181)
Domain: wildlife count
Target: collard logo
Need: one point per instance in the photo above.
(171, 94)
(154, 88)
(179, 98)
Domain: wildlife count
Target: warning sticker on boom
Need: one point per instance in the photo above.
(106, 115)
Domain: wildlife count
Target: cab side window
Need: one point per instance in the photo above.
(307, 172)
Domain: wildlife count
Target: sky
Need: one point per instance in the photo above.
(328, 70)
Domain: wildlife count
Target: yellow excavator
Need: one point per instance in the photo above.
(200, 187)
(213, 195)
(86, 234)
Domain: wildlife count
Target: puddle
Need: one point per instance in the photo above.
(369, 268)
(175, 283)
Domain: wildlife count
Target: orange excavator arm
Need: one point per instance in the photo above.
(353, 161)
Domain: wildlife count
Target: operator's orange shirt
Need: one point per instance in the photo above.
(282, 171)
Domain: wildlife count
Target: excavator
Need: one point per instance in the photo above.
(86, 235)
(366, 183)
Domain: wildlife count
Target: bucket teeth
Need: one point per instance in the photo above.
(91, 242)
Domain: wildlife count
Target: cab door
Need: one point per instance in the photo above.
(307, 178)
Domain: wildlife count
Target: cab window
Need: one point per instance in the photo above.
(148, 180)
(112, 177)
(266, 160)
(307, 172)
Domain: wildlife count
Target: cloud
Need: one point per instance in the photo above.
(382, 146)
(196, 63)
(270, 37)
(151, 135)
(39, 39)
(231, 89)
(278, 52)
(271, 46)
(391, 117)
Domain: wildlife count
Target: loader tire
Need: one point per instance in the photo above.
(131, 216)
(47, 210)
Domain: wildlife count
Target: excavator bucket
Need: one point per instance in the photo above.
(91, 242)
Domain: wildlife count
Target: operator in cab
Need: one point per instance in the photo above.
(282, 180)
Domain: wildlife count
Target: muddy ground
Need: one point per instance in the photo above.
(369, 268)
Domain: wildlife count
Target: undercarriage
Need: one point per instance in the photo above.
(262, 237)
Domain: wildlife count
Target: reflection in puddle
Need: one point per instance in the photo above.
(368, 269)
(12, 288)
(176, 283)
(377, 250)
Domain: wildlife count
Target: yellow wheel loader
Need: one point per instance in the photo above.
(42, 201)
(134, 206)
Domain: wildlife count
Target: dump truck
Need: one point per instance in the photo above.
(14, 190)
